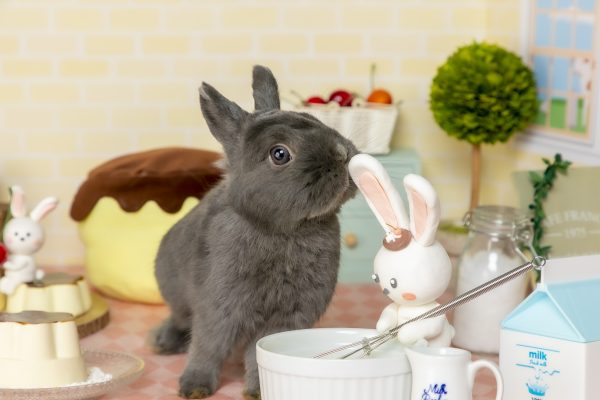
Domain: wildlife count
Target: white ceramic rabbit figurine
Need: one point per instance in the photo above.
(23, 236)
(412, 268)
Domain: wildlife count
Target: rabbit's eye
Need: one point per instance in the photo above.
(28, 234)
(16, 233)
(393, 283)
(280, 155)
(375, 278)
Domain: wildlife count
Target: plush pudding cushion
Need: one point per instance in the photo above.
(125, 207)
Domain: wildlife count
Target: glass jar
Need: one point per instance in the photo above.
(496, 234)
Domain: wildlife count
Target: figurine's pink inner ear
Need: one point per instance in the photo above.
(376, 194)
(43, 209)
(17, 203)
(419, 212)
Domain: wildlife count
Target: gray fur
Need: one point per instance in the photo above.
(260, 253)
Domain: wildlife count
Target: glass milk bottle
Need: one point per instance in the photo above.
(492, 248)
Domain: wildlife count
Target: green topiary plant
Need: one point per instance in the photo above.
(483, 94)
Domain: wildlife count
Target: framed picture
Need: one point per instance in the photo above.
(561, 44)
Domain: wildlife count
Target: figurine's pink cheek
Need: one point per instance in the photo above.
(409, 296)
(37, 243)
(9, 241)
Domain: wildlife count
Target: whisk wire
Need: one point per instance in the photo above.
(367, 345)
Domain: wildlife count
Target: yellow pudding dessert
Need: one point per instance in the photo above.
(56, 292)
(39, 350)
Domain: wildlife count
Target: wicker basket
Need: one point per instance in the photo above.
(370, 127)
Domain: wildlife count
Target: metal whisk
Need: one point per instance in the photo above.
(367, 345)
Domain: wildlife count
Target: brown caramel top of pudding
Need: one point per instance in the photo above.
(167, 176)
(35, 317)
(56, 278)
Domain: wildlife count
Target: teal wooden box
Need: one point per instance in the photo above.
(358, 222)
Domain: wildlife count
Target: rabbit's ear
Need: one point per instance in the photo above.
(17, 202)
(43, 208)
(264, 89)
(224, 117)
(424, 208)
(375, 184)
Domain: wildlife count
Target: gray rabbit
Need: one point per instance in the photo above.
(260, 253)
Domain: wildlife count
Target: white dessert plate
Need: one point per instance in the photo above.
(124, 368)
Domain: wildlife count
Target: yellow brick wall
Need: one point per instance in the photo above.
(81, 82)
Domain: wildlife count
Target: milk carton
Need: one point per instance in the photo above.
(550, 344)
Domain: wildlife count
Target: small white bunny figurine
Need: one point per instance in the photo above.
(412, 268)
(23, 236)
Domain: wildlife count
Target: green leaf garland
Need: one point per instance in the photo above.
(542, 184)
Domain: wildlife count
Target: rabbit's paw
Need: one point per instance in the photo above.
(200, 392)
(195, 384)
(167, 339)
(251, 394)
(252, 389)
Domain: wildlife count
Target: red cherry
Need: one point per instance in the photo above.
(3, 253)
(342, 97)
(316, 100)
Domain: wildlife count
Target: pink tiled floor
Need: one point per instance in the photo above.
(352, 306)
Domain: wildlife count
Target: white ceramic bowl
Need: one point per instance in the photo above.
(288, 370)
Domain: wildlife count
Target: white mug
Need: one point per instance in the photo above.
(446, 373)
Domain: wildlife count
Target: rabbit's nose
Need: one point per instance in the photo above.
(22, 239)
(385, 291)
